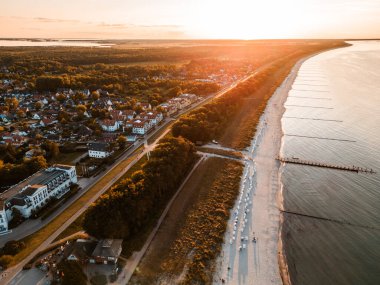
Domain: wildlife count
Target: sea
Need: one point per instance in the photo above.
(331, 229)
(52, 43)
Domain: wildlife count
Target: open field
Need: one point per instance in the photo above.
(186, 237)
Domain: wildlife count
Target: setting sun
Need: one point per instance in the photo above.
(239, 19)
(192, 142)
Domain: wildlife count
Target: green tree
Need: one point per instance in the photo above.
(95, 95)
(72, 273)
(13, 247)
(36, 163)
(12, 103)
(17, 217)
(61, 97)
(49, 83)
(126, 208)
(21, 114)
(121, 141)
(38, 105)
(81, 108)
(5, 260)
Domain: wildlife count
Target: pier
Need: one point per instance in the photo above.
(352, 168)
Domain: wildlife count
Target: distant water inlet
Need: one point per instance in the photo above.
(53, 43)
(331, 230)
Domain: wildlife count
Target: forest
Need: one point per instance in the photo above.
(138, 72)
(11, 174)
(128, 206)
(207, 123)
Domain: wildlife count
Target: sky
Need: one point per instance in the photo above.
(188, 19)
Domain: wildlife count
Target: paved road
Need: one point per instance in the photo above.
(14, 271)
(30, 226)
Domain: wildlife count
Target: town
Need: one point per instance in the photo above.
(56, 140)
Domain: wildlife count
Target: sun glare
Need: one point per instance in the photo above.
(245, 19)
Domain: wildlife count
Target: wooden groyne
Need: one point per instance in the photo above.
(305, 106)
(314, 119)
(324, 91)
(352, 168)
(330, 220)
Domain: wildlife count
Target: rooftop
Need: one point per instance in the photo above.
(108, 247)
(42, 177)
(98, 146)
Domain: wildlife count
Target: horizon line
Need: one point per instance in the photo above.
(183, 39)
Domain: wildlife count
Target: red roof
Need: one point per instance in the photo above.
(108, 123)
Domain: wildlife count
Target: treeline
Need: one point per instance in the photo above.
(208, 123)
(127, 207)
(13, 173)
(49, 83)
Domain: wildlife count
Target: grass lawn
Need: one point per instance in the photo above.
(137, 166)
(156, 135)
(34, 240)
(74, 227)
(99, 280)
(67, 158)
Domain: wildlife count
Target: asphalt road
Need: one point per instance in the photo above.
(14, 272)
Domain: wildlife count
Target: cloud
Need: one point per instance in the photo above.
(50, 20)
(134, 26)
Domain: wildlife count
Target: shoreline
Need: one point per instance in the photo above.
(263, 218)
(282, 260)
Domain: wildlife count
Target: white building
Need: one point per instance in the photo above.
(180, 103)
(140, 127)
(153, 117)
(109, 125)
(33, 193)
(99, 150)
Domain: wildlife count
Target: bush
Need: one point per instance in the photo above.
(5, 260)
(99, 280)
(72, 273)
(13, 247)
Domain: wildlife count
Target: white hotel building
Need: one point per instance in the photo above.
(32, 193)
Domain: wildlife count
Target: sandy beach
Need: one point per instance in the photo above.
(251, 253)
